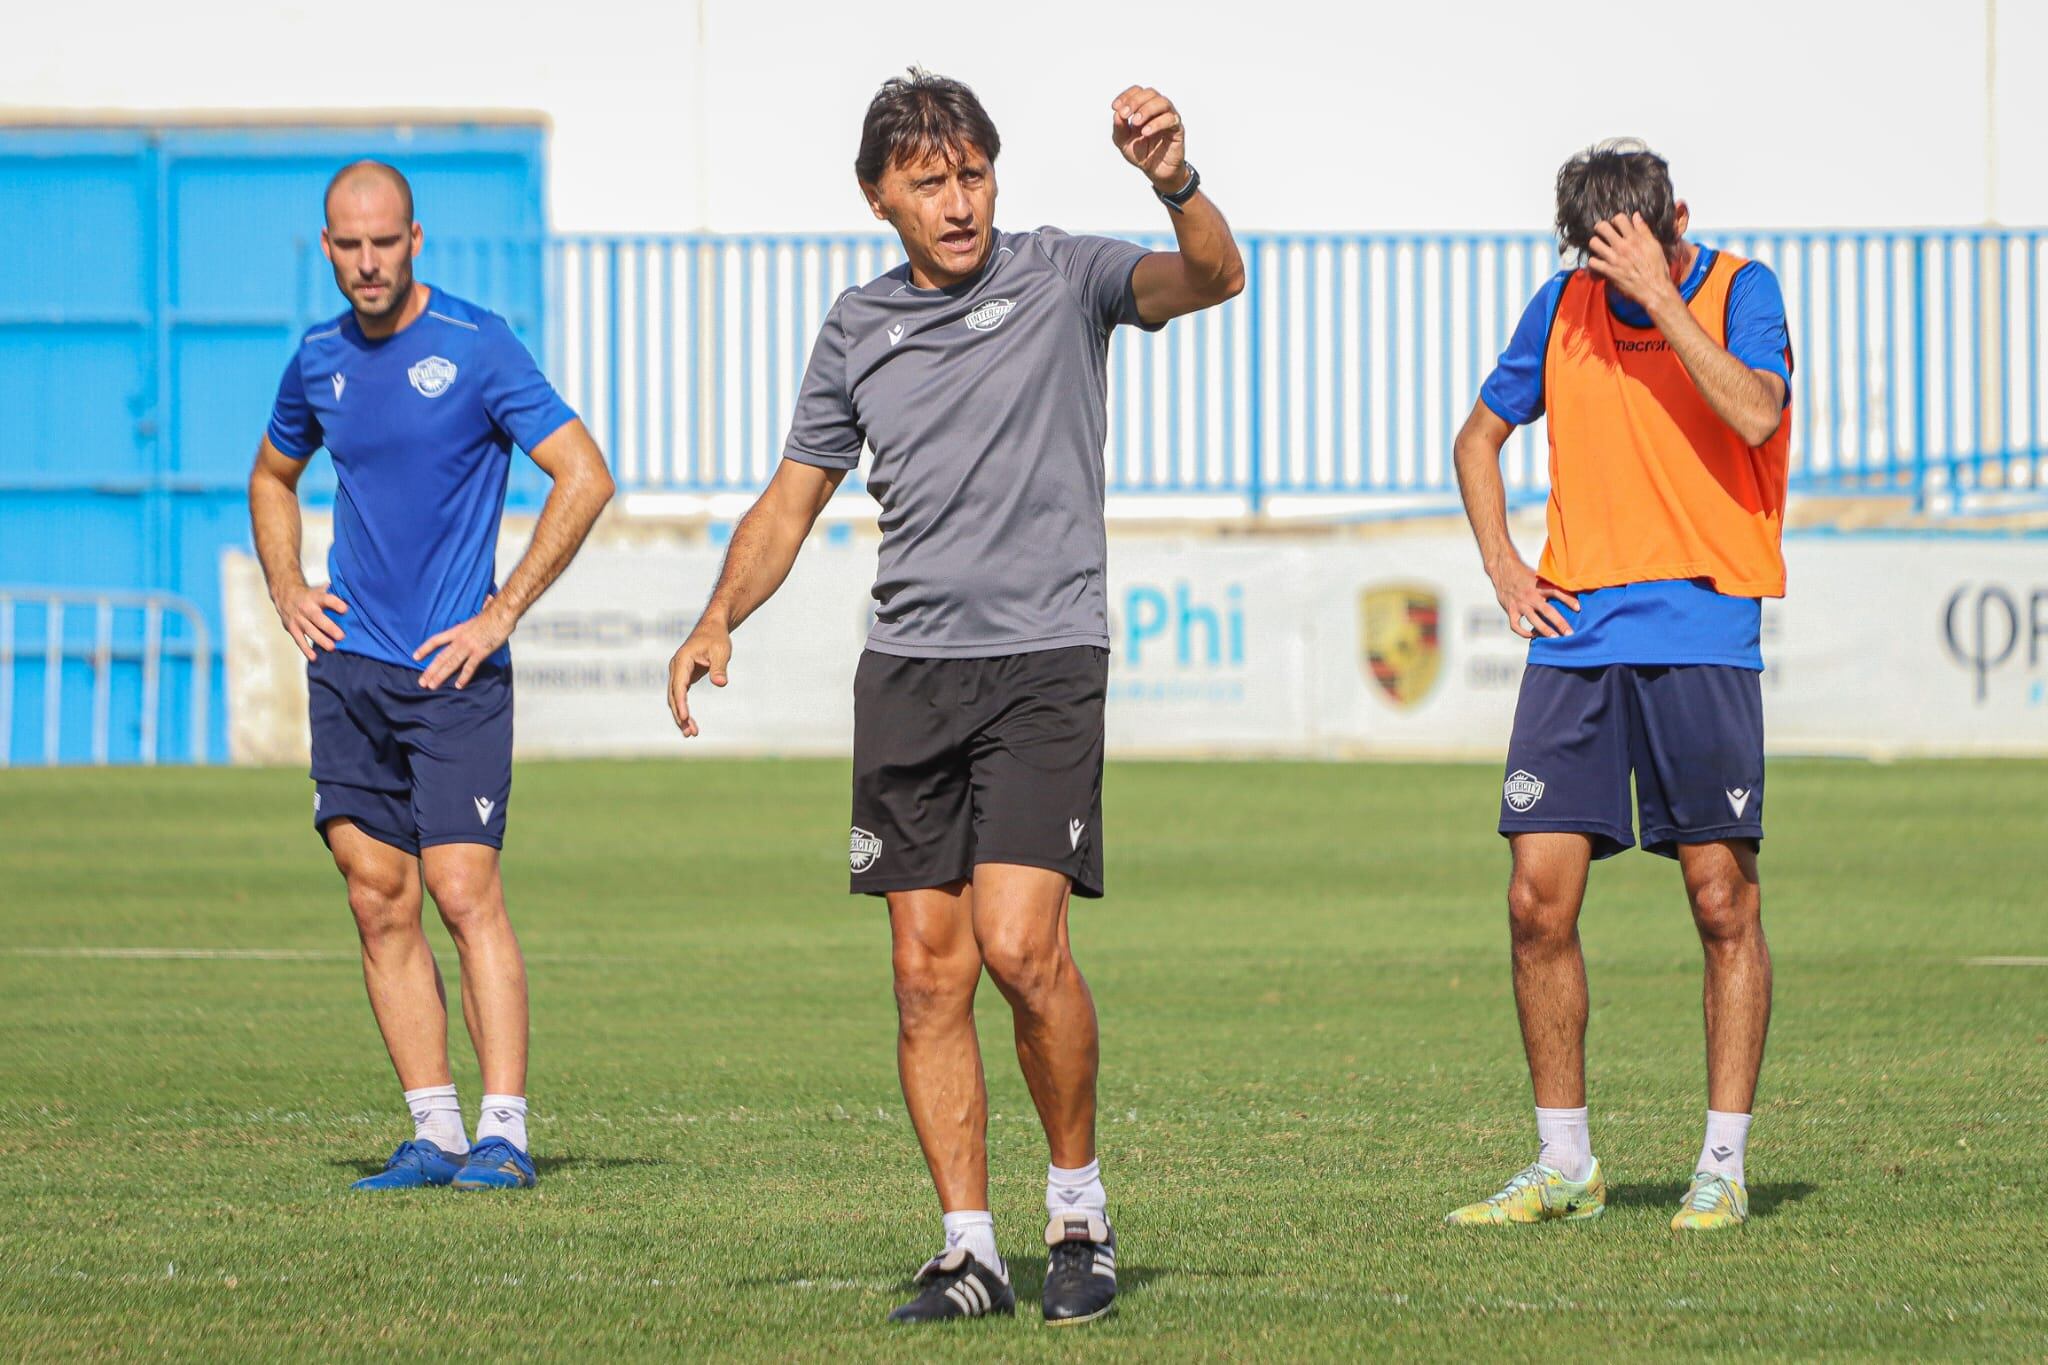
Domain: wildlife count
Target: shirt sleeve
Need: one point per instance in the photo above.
(1757, 332)
(824, 431)
(294, 428)
(1515, 388)
(518, 397)
(1098, 270)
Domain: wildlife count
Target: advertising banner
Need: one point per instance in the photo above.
(1305, 645)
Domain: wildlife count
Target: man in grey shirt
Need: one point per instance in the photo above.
(976, 374)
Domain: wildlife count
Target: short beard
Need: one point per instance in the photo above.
(394, 300)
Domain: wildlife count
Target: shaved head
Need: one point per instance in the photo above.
(370, 240)
(361, 175)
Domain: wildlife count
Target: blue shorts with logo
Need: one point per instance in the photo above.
(1692, 735)
(411, 768)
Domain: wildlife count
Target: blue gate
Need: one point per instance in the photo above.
(157, 278)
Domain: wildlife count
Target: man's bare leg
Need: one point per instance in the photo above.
(937, 967)
(1727, 909)
(406, 993)
(1020, 921)
(1545, 892)
(464, 882)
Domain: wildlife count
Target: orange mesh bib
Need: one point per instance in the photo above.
(1646, 482)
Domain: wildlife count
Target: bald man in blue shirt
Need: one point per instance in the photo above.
(419, 398)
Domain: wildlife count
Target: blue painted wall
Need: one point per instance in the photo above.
(157, 279)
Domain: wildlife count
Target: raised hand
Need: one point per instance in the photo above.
(1147, 130)
(1626, 254)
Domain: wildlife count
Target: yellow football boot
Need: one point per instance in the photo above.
(1714, 1201)
(1537, 1194)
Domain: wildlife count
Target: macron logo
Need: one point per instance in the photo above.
(895, 334)
(340, 382)
(1074, 828)
(484, 807)
(1738, 800)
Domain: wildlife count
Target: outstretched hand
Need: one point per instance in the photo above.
(1147, 130)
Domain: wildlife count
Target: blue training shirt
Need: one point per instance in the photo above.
(1674, 621)
(421, 425)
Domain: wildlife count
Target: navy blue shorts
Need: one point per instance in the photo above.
(412, 768)
(1693, 735)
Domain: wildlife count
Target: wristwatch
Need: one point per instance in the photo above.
(1177, 201)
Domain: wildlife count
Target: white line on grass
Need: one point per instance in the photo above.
(196, 954)
(247, 955)
(2005, 962)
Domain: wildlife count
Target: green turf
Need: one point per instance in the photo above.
(1309, 1054)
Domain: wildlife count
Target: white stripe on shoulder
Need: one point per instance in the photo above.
(1002, 249)
(457, 321)
(897, 290)
(317, 336)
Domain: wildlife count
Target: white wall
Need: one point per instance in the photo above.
(736, 115)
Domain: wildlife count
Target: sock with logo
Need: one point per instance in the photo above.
(975, 1229)
(1565, 1144)
(437, 1118)
(1727, 1141)
(503, 1116)
(1078, 1190)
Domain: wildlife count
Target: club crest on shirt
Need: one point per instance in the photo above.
(989, 316)
(432, 376)
(1398, 640)
(863, 849)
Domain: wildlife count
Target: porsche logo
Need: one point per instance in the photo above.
(1398, 639)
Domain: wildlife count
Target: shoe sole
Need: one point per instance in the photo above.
(1581, 1216)
(1098, 1314)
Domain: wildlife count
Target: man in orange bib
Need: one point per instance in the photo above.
(1665, 370)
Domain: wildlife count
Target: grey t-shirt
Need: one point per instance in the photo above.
(985, 406)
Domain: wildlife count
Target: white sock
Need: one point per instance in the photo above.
(437, 1118)
(1727, 1141)
(975, 1229)
(1565, 1143)
(503, 1116)
(1078, 1190)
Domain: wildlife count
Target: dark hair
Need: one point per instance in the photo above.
(1618, 176)
(923, 115)
(357, 170)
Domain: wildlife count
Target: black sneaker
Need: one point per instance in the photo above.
(956, 1285)
(1080, 1268)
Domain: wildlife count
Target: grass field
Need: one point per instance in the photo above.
(1309, 1055)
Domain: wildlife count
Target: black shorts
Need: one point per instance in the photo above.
(965, 761)
(412, 768)
(1693, 735)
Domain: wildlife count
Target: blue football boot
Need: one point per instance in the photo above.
(495, 1164)
(413, 1166)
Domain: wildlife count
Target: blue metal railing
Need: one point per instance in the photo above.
(103, 677)
(1344, 370)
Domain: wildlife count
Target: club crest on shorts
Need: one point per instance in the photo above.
(989, 316)
(432, 376)
(862, 850)
(1398, 640)
(1521, 790)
